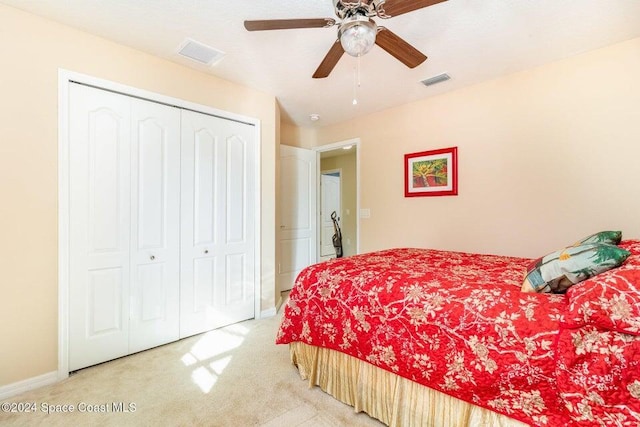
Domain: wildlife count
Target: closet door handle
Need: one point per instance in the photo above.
(152, 257)
(206, 251)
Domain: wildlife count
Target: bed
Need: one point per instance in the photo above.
(419, 337)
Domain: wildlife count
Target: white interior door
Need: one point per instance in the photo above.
(297, 234)
(155, 226)
(330, 185)
(218, 214)
(99, 205)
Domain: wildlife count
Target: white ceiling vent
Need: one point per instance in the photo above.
(436, 79)
(200, 52)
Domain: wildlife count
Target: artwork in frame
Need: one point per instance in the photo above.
(431, 173)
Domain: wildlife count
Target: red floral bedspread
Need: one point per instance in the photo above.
(452, 321)
(598, 362)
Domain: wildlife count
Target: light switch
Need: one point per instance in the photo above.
(365, 213)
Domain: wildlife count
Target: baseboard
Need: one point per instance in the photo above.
(14, 389)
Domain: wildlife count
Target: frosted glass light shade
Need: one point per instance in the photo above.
(358, 36)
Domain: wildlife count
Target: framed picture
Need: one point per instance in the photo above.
(431, 173)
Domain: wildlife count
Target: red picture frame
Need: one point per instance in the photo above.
(431, 173)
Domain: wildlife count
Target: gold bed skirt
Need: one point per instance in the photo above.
(394, 400)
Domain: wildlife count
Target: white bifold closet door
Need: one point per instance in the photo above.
(217, 222)
(124, 225)
(154, 312)
(162, 224)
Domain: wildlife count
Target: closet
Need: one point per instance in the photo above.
(161, 224)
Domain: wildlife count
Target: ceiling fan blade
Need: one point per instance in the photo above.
(398, 7)
(287, 24)
(400, 49)
(329, 61)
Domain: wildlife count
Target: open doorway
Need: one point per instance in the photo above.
(330, 203)
(338, 191)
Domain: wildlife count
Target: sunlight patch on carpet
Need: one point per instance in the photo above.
(188, 359)
(212, 353)
(204, 379)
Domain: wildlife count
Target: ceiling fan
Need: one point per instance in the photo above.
(357, 32)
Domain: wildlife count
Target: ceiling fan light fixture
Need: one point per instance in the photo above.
(357, 35)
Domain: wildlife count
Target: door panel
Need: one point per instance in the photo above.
(104, 192)
(155, 285)
(152, 173)
(295, 256)
(297, 234)
(235, 275)
(99, 201)
(104, 302)
(205, 187)
(152, 292)
(204, 277)
(217, 230)
(236, 192)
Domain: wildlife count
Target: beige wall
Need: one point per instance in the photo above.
(297, 136)
(32, 51)
(348, 220)
(545, 156)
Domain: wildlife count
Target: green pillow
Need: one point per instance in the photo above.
(610, 237)
(557, 271)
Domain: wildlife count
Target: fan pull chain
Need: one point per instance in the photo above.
(356, 81)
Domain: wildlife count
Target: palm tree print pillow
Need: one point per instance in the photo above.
(556, 272)
(610, 237)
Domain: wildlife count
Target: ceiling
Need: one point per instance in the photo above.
(471, 40)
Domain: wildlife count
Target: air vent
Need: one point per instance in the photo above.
(436, 79)
(200, 52)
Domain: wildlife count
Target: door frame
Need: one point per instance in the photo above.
(330, 147)
(65, 79)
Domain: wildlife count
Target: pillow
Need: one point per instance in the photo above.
(609, 301)
(557, 271)
(632, 246)
(611, 237)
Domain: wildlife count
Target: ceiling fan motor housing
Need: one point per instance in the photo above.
(346, 9)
